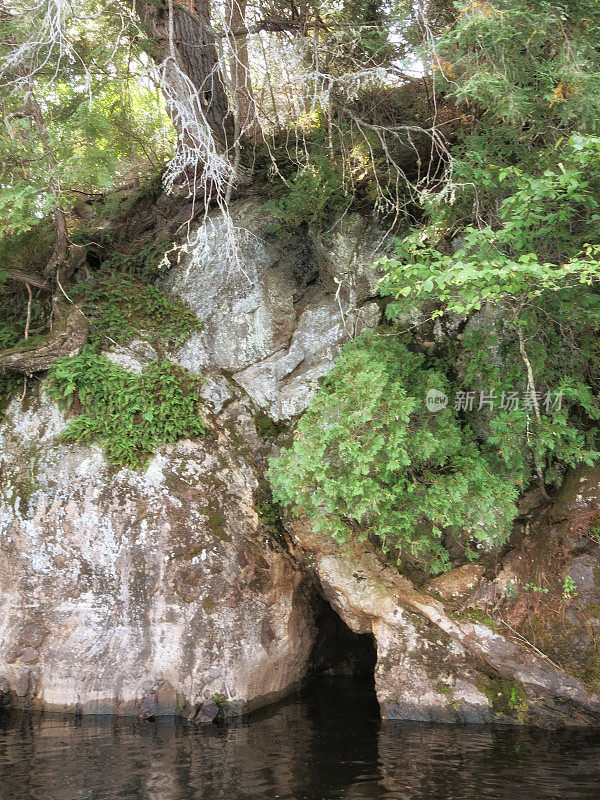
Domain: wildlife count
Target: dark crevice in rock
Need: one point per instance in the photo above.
(338, 651)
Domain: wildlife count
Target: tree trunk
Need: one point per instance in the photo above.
(57, 266)
(245, 106)
(194, 48)
(20, 276)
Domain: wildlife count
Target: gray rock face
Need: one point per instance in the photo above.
(134, 357)
(247, 308)
(283, 384)
(278, 318)
(150, 593)
(424, 676)
(345, 256)
(126, 592)
(421, 674)
(147, 593)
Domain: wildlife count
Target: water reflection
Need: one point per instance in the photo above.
(328, 745)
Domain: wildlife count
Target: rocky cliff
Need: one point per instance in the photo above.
(151, 592)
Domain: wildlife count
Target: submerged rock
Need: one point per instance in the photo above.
(206, 713)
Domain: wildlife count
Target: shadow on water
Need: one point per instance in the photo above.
(326, 743)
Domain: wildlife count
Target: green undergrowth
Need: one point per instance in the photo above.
(221, 701)
(9, 382)
(131, 415)
(142, 258)
(370, 460)
(506, 698)
(119, 296)
(122, 307)
(143, 263)
(13, 314)
(266, 428)
(26, 248)
(314, 196)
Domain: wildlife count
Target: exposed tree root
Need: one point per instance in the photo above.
(68, 336)
(20, 276)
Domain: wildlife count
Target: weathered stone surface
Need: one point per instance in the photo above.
(149, 707)
(431, 665)
(247, 309)
(134, 357)
(149, 593)
(346, 254)
(6, 694)
(283, 384)
(139, 592)
(152, 590)
(457, 582)
(528, 592)
(276, 320)
(424, 676)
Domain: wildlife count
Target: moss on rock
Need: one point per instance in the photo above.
(506, 698)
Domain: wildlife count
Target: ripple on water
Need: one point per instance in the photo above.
(327, 745)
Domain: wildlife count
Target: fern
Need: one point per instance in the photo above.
(131, 415)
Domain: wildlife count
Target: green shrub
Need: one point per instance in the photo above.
(534, 275)
(122, 307)
(132, 415)
(143, 263)
(313, 197)
(369, 459)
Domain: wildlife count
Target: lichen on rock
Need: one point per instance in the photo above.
(134, 577)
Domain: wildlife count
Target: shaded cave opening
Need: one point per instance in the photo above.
(342, 660)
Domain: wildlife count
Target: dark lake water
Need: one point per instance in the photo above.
(327, 744)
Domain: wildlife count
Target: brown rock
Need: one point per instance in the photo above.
(207, 713)
(30, 655)
(13, 653)
(456, 583)
(431, 664)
